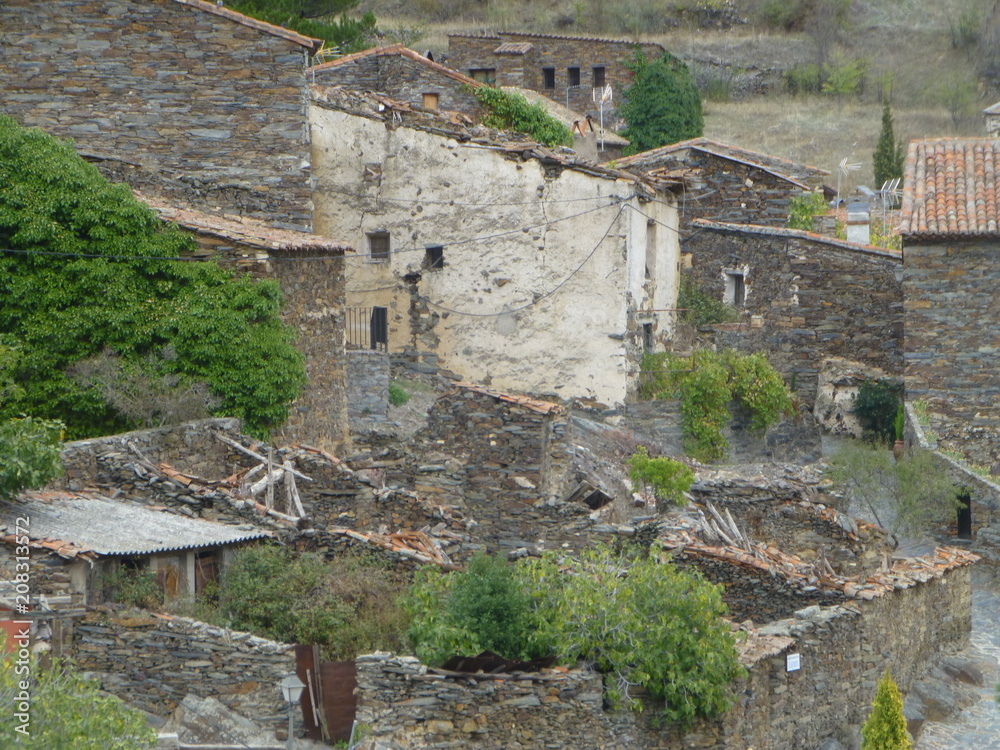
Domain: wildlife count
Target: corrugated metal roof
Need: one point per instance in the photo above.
(105, 527)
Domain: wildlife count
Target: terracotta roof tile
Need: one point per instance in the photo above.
(268, 28)
(950, 188)
(514, 48)
(542, 407)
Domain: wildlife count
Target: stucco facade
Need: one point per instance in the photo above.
(494, 258)
(179, 98)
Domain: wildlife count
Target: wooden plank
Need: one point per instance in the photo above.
(338, 680)
(253, 454)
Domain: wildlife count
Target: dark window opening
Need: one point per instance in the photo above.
(736, 291)
(548, 78)
(378, 246)
(648, 341)
(206, 574)
(650, 249)
(378, 328)
(599, 77)
(434, 257)
(964, 514)
(484, 75)
(573, 74)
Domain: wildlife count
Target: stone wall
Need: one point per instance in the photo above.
(843, 651)
(466, 53)
(170, 97)
(952, 338)
(403, 79)
(367, 389)
(152, 662)
(807, 298)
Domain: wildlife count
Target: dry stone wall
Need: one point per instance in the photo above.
(168, 97)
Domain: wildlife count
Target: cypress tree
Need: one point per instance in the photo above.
(885, 728)
(887, 161)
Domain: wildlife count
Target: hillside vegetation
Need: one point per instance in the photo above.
(751, 59)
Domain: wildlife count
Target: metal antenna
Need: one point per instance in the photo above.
(602, 96)
(889, 193)
(843, 171)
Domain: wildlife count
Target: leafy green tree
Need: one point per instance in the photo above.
(509, 111)
(889, 155)
(86, 267)
(662, 106)
(876, 405)
(669, 479)
(907, 496)
(885, 728)
(29, 454)
(66, 712)
(316, 18)
(802, 209)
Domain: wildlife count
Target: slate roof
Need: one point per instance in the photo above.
(993, 109)
(399, 50)
(565, 115)
(72, 524)
(306, 41)
(559, 37)
(798, 174)
(730, 228)
(950, 188)
(243, 230)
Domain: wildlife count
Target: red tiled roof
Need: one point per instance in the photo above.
(306, 41)
(950, 188)
(243, 230)
(402, 51)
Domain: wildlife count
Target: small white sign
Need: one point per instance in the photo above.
(793, 662)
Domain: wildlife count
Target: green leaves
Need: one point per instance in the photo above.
(513, 112)
(889, 155)
(662, 106)
(60, 308)
(803, 208)
(29, 454)
(669, 479)
(885, 728)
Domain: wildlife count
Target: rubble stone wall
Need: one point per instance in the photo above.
(153, 662)
(842, 654)
(367, 389)
(814, 300)
(172, 99)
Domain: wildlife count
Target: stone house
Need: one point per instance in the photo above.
(565, 68)
(76, 540)
(310, 271)
(992, 115)
(180, 98)
(507, 262)
(728, 183)
(802, 297)
(950, 225)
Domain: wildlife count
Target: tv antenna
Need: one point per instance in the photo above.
(889, 193)
(843, 170)
(601, 97)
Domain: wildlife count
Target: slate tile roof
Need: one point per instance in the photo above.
(72, 524)
(559, 37)
(400, 50)
(767, 231)
(784, 168)
(308, 42)
(950, 188)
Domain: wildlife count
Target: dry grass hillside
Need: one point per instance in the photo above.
(925, 52)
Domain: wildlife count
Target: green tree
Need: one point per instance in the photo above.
(662, 106)
(887, 161)
(669, 479)
(802, 209)
(66, 712)
(509, 111)
(885, 728)
(316, 18)
(29, 454)
(908, 496)
(86, 267)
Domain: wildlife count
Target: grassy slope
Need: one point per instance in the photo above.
(909, 38)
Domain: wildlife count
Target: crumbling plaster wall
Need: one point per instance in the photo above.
(543, 302)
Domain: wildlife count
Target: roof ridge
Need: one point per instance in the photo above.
(802, 233)
(399, 49)
(268, 28)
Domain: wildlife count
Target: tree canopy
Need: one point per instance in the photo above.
(885, 728)
(315, 18)
(662, 106)
(85, 267)
(887, 161)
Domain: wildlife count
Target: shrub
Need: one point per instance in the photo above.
(889, 154)
(134, 587)
(803, 208)
(346, 34)
(669, 479)
(804, 79)
(29, 454)
(509, 111)
(875, 406)
(397, 394)
(699, 308)
(663, 104)
(885, 728)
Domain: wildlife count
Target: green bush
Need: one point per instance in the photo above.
(876, 404)
(701, 309)
(802, 209)
(669, 479)
(29, 454)
(346, 34)
(509, 111)
(662, 106)
(885, 728)
(805, 78)
(134, 587)
(397, 394)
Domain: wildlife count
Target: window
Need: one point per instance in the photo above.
(434, 257)
(484, 75)
(548, 78)
(378, 247)
(378, 328)
(430, 101)
(650, 249)
(599, 76)
(648, 339)
(736, 289)
(573, 76)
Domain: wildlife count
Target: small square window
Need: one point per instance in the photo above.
(430, 101)
(378, 247)
(484, 75)
(573, 76)
(433, 258)
(599, 77)
(548, 78)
